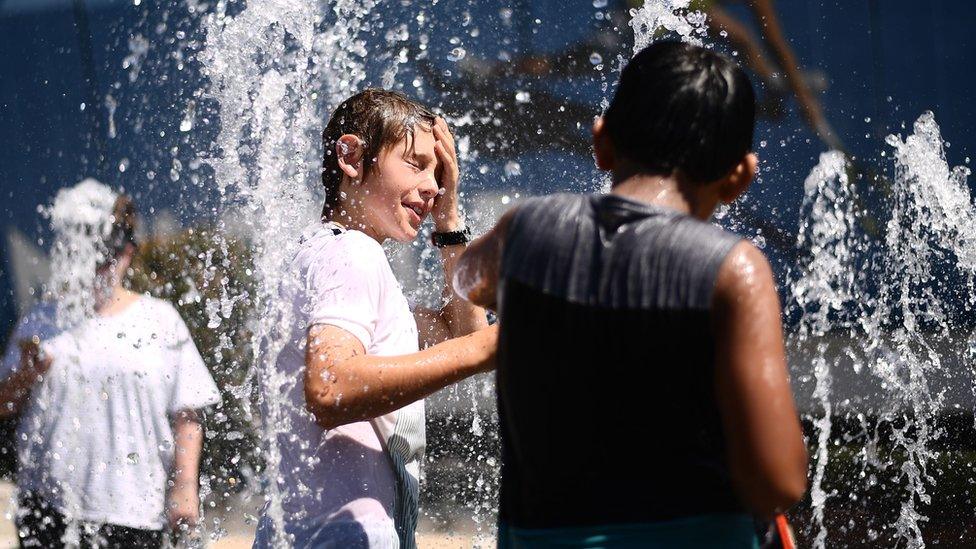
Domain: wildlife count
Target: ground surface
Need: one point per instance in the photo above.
(240, 535)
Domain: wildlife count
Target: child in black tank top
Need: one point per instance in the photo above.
(642, 384)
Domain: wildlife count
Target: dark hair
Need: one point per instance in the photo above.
(381, 118)
(683, 108)
(123, 230)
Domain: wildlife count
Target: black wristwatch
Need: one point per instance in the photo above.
(452, 238)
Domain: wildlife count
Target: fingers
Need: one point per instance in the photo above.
(448, 168)
(443, 134)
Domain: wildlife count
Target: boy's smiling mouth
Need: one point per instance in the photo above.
(417, 209)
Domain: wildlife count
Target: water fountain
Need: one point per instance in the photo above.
(266, 61)
(876, 314)
(879, 343)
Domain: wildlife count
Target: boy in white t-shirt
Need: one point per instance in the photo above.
(353, 436)
(108, 440)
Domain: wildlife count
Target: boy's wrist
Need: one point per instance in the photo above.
(448, 224)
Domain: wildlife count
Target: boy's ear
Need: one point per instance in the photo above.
(349, 152)
(739, 179)
(602, 146)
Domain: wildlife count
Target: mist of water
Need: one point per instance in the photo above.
(81, 218)
(867, 307)
(274, 72)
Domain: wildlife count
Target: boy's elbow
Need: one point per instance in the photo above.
(323, 407)
(790, 492)
(775, 488)
(777, 496)
(483, 298)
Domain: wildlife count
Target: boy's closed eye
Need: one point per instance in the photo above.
(422, 162)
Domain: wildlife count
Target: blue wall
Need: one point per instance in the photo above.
(888, 61)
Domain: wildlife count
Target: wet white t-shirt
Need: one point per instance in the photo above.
(95, 438)
(355, 485)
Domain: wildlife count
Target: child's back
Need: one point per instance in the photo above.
(611, 298)
(643, 393)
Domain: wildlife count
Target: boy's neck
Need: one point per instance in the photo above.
(350, 220)
(666, 191)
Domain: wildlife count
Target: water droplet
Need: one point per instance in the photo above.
(456, 54)
(506, 15)
(522, 97)
(599, 4)
(596, 58)
(512, 168)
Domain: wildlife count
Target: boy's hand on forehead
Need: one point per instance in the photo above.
(445, 210)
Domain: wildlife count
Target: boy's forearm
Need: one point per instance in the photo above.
(365, 386)
(475, 277)
(461, 316)
(15, 389)
(188, 435)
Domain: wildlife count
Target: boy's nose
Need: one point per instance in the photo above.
(428, 189)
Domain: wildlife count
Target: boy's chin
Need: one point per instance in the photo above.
(407, 235)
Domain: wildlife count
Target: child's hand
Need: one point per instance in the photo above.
(184, 507)
(32, 357)
(445, 210)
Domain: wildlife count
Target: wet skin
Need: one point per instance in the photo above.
(412, 178)
(766, 452)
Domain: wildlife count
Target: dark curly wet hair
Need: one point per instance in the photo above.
(682, 108)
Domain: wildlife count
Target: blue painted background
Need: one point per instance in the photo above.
(888, 61)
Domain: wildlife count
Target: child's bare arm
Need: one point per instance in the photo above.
(344, 385)
(457, 317)
(476, 274)
(766, 452)
(15, 389)
(183, 501)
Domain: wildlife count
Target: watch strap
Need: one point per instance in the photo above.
(451, 238)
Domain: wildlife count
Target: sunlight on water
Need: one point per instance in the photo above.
(878, 308)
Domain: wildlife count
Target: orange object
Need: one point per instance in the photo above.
(785, 532)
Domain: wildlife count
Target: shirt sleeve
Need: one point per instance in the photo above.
(345, 289)
(195, 387)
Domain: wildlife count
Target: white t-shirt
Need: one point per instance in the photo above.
(355, 485)
(95, 438)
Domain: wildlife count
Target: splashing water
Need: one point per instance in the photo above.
(655, 18)
(825, 290)
(81, 217)
(890, 302)
(264, 64)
